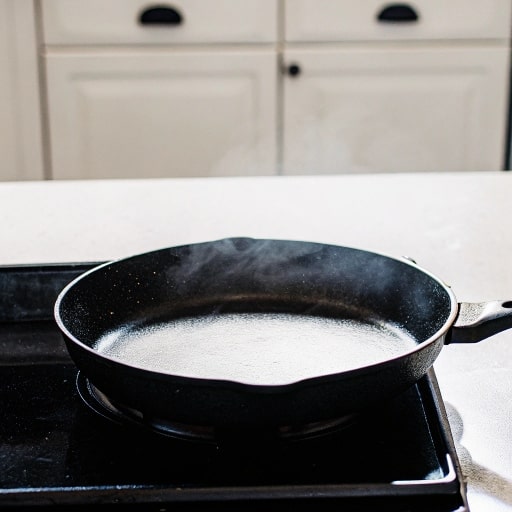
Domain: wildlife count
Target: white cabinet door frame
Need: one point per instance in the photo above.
(20, 117)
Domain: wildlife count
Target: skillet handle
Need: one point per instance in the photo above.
(477, 321)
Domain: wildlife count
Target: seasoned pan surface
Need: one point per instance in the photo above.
(256, 348)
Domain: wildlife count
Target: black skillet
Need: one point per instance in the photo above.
(224, 333)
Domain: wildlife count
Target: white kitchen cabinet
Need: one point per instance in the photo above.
(192, 94)
(203, 97)
(161, 114)
(20, 121)
(395, 108)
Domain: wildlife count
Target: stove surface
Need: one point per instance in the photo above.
(54, 450)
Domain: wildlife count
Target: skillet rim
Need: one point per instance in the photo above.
(284, 387)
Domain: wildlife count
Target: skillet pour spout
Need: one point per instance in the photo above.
(243, 375)
(478, 321)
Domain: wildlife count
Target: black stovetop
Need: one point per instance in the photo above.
(55, 451)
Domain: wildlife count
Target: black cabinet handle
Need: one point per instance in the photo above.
(397, 13)
(161, 15)
(294, 70)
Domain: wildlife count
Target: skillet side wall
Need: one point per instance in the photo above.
(253, 276)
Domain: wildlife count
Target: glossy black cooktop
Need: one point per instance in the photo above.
(54, 450)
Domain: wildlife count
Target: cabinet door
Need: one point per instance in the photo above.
(394, 109)
(161, 114)
(20, 121)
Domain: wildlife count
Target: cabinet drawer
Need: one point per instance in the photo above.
(118, 22)
(353, 20)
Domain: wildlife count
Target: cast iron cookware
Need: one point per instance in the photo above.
(146, 330)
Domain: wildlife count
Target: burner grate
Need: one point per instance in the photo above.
(122, 414)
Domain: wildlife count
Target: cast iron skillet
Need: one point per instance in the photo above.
(248, 283)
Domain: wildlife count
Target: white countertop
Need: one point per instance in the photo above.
(458, 226)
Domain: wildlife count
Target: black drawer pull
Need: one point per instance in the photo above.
(161, 15)
(397, 13)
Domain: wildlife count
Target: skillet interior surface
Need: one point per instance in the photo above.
(256, 348)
